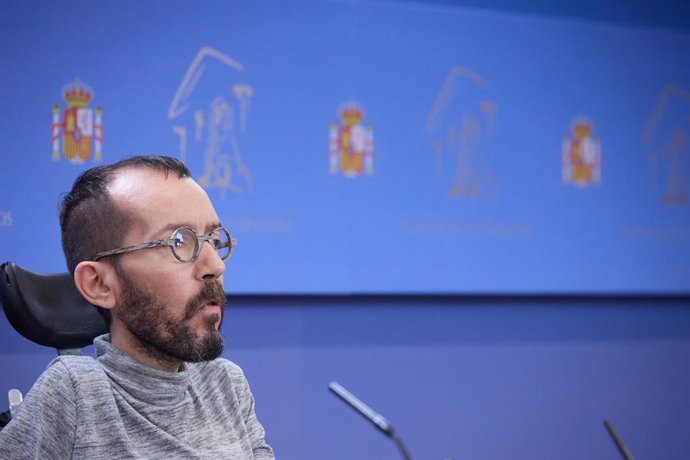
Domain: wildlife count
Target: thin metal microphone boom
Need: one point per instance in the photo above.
(367, 412)
(617, 439)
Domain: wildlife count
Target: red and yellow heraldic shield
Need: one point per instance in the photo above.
(351, 145)
(82, 128)
(77, 136)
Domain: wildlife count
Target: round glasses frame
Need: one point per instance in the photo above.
(218, 244)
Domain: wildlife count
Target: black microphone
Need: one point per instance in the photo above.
(367, 412)
(617, 439)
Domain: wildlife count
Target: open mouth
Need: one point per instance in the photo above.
(210, 300)
(210, 306)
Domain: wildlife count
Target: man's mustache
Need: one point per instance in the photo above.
(212, 292)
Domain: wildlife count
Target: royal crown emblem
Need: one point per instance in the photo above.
(351, 144)
(81, 127)
(581, 155)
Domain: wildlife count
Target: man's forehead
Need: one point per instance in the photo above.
(130, 182)
(150, 194)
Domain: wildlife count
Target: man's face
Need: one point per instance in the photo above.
(172, 309)
(148, 319)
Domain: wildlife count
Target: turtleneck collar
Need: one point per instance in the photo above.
(151, 386)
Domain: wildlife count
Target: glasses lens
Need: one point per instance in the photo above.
(222, 242)
(186, 244)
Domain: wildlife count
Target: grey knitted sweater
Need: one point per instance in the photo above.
(114, 407)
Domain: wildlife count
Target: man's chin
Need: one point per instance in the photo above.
(211, 348)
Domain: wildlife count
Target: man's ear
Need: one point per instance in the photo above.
(97, 282)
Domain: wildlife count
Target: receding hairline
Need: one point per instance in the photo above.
(119, 185)
(120, 193)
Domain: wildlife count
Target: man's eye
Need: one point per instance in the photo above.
(181, 240)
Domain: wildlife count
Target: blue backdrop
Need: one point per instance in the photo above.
(366, 146)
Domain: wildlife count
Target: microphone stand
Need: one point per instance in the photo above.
(401, 445)
(367, 412)
(622, 448)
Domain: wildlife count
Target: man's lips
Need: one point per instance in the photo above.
(210, 307)
(211, 298)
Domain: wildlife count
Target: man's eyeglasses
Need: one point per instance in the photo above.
(184, 243)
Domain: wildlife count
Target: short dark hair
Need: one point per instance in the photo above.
(89, 220)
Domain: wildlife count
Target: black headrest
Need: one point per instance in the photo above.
(47, 308)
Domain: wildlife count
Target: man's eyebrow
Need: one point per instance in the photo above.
(213, 226)
(168, 229)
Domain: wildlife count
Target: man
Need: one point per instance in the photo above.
(145, 245)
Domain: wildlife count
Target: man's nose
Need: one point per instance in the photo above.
(210, 265)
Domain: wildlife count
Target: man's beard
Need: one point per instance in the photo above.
(164, 336)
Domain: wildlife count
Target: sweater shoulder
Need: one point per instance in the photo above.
(82, 373)
(63, 369)
(73, 367)
(69, 362)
